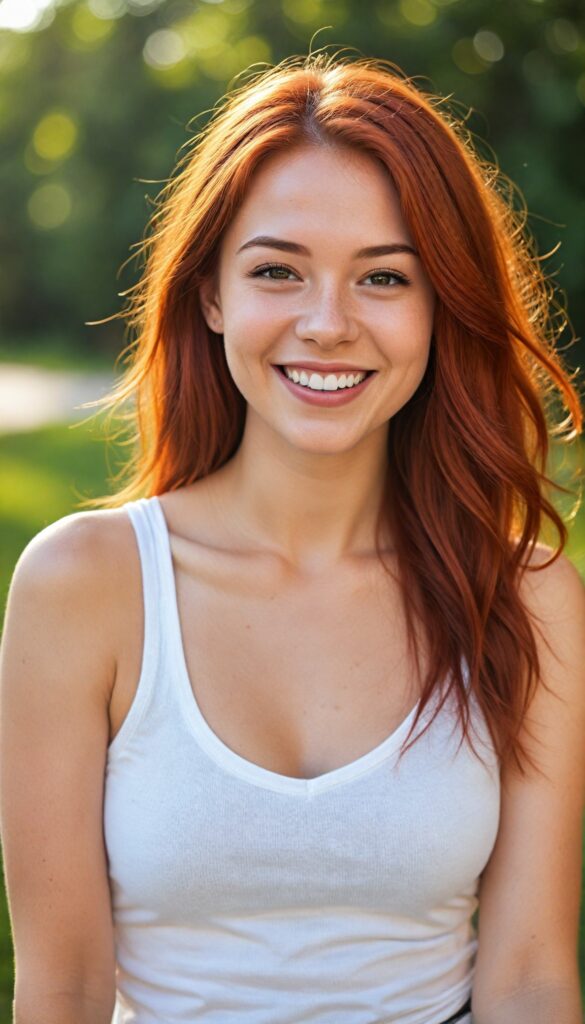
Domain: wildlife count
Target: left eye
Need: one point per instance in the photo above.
(262, 271)
(391, 274)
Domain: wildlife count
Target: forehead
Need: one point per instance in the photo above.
(336, 192)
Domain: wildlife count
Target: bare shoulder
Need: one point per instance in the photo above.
(553, 594)
(545, 582)
(82, 555)
(73, 578)
(79, 543)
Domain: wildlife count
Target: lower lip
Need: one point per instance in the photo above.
(325, 398)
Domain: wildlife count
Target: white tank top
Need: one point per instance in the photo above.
(242, 896)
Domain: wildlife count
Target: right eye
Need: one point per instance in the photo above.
(264, 270)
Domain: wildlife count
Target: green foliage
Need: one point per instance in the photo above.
(106, 91)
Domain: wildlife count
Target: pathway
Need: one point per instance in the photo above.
(32, 397)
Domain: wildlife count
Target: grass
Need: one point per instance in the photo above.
(43, 474)
(56, 352)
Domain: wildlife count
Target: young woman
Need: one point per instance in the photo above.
(308, 692)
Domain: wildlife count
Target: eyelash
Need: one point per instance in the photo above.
(400, 279)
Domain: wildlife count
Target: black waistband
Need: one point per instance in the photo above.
(460, 1013)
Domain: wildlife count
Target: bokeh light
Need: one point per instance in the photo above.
(418, 12)
(25, 15)
(143, 6)
(231, 59)
(466, 57)
(107, 9)
(89, 29)
(205, 32)
(49, 206)
(562, 36)
(55, 136)
(488, 45)
(303, 12)
(164, 48)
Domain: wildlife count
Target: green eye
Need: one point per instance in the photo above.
(395, 278)
(262, 271)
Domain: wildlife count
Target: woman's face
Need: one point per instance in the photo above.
(326, 306)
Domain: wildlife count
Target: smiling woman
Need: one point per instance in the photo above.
(371, 304)
(342, 383)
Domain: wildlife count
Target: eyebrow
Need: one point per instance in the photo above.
(370, 251)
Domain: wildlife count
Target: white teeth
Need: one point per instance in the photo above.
(331, 382)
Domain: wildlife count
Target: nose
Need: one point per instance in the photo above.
(326, 319)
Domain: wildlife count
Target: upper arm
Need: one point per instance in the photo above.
(529, 894)
(56, 669)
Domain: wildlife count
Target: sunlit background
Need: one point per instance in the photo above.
(97, 97)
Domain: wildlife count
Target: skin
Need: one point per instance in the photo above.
(306, 481)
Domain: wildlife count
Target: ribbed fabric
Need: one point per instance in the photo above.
(242, 896)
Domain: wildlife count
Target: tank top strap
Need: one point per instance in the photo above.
(152, 540)
(169, 619)
(148, 541)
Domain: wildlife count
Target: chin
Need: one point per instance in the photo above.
(313, 444)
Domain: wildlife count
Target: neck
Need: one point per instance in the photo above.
(313, 510)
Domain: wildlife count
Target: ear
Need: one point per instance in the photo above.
(211, 305)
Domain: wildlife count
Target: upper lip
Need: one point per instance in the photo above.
(311, 364)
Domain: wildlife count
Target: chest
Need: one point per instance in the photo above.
(299, 677)
(186, 837)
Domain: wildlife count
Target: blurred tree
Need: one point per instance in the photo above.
(95, 103)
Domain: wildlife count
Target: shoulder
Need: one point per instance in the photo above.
(553, 594)
(545, 581)
(72, 579)
(84, 552)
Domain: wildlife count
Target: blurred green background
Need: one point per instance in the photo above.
(97, 97)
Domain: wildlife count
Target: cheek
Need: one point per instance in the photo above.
(249, 321)
(407, 336)
(253, 327)
(246, 350)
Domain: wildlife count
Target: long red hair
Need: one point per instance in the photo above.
(468, 453)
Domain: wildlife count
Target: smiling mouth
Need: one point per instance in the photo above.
(331, 382)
